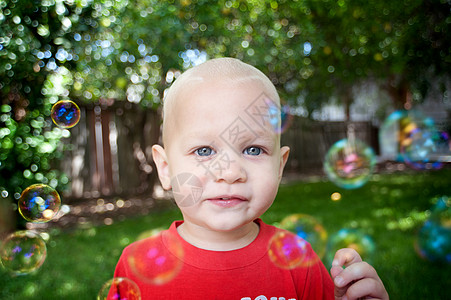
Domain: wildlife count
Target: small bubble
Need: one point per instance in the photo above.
(39, 203)
(349, 163)
(65, 114)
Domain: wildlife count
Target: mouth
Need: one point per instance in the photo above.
(227, 200)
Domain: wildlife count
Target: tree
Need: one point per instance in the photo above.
(31, 34)
(106, 52)
(404, 46)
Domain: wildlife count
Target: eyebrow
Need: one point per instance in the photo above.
(265, 138)
(197, 138)
(203, 137)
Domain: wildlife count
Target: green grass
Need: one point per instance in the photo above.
(389, 208)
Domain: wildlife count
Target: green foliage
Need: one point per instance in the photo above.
(28, 149)
(401, 45)
(102, 52)
(32, 41)
(389, 208)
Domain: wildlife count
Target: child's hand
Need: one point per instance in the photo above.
(358, 280)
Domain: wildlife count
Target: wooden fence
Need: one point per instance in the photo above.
(310, 140)
(110, 152)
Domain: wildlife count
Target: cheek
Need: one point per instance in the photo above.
(266, 180)
(187, 189)
(269, 170)
(270, 188)
(269, 179)
(183, 167)
(265, 193)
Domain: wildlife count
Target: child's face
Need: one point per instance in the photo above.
(222, 157)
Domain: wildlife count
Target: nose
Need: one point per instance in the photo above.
(231, 172)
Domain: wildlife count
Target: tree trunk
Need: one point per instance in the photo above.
(399, 90)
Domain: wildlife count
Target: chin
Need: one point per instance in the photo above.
(227, 225)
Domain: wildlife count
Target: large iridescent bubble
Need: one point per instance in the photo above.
(350, 238)
(413, 138)
(434, 238)
(389, 135)
(265, 111)
(280, 118)
(421, 148)
(156, 259)
(308, 228)
(23, 252)
(39, 203)
(288, 251)
(349, 163)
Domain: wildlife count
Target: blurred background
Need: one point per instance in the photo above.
(366, 105)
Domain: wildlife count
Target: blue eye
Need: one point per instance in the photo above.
(204, 151)
(253, 150)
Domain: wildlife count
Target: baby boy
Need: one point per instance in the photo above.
(223, 160)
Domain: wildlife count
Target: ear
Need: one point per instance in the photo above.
(284, 153)
(161, 162)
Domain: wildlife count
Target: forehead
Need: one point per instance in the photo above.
(224, 98)
(226, 105)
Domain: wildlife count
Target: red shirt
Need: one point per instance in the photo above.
(191, 273)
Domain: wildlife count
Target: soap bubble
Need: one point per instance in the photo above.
(309, 229)
(23, 252)
(389, 134)
(119, 288)
(288, 251)
(349, 163)
(422, 148)
(280, 117)
(65, 114)
(413, 138)
(39, 203)
(350, 238)
(286, 118)
(157, 259)
(264, 111)
(433, 241)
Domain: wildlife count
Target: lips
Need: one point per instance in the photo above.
(227, 200)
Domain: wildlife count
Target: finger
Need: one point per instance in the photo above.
(355, 272)
(335, 271)
(339, 292)
(345, 278)
(367, 288)
(346, 257)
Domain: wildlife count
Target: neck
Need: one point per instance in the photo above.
(208, 239)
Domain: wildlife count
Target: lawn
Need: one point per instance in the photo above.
(390, 208)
